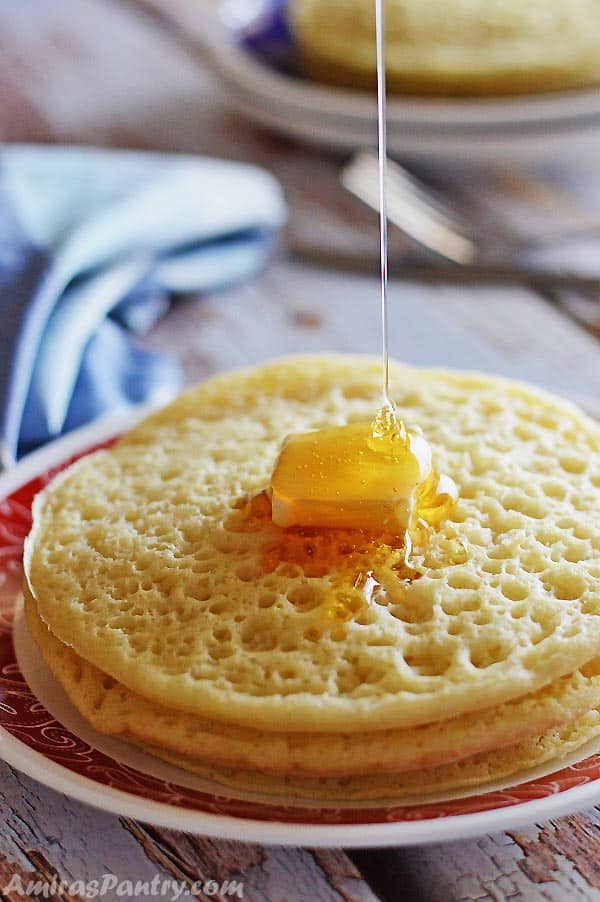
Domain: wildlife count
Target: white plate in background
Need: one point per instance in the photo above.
(559, 125)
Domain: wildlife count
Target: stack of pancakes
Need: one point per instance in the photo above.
(316, 664)
(446, 47)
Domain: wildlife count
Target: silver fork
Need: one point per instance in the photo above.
(421, 213)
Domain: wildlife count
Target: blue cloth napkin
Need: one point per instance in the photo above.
(93, 246)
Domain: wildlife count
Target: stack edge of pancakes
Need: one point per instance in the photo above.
(454, 47)
(176, 615)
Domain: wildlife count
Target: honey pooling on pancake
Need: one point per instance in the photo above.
(343, 494)
(363, 567)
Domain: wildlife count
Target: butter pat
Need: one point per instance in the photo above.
(345, 478)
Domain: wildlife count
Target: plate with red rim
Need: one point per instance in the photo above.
(43, 736)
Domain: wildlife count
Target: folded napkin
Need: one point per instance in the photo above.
(93, 246)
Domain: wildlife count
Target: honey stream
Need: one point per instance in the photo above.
(354, 559)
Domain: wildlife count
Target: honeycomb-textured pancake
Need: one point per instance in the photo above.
(475, 771)
(146, 560)
(113, 709)
(452, 47)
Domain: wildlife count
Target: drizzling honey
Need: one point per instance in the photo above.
(362, 567)
(375, 477)
(388, 410)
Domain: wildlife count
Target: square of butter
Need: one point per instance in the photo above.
(341, 478)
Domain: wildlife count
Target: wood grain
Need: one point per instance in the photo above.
(41, 872)
(574, 837)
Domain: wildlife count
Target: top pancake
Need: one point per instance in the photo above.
(145, 560)
(455, 46)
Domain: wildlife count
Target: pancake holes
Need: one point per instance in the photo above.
(591, 669)
(485, 654)
(338, 632)
(451, 606)
(304, 597)
(462, 579)
(491, 566)
(554, 489)
(193, 533)
(222, 634)
(514, 590)
(533, 562)
(468, 490)
(248, 571)
(566, 523)
(469, 601)
(184, 613)
(312, 634)
(266, 599)
(202, 566)
(220, 652)
(200, 591)
(290, 571)
(571, 463)
(564, 584)
(381, 642)
(524, 432)
(226, 543)
(220, 606)
(138, 643)
(575, 552)
(591, 606)
(532, 507)
(419, 612)
(435, 663)
(169, 473)
(365, 618)
(256, 637)
(545, 624)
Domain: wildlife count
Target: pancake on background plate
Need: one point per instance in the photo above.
(460, 47)
(176, 614)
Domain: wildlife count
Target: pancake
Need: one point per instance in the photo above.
(471, 772)
(461, 47)
(113, 709)
(147, 561)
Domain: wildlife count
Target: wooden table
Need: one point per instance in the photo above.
(97, 71)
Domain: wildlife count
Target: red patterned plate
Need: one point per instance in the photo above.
(41, 735)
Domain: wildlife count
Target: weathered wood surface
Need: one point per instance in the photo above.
(95, 71)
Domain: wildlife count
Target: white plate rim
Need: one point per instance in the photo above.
(238, 67)
(362, 835)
